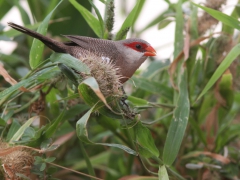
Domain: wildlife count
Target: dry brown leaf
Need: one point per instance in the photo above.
(6, 76)
(187, 39)
(211, 127)
(62, 139)
(218, 157)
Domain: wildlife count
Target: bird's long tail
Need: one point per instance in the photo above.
(51, 43)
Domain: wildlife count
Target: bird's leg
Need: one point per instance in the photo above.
(124, 97)
(127, 109)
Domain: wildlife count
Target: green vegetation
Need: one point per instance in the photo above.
(181, 116)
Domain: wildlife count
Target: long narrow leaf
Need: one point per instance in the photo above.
(23, 13)
(153, 87)
(70, 61)
(21, 130)
(145, 142)
(91, 83)
(228, 20)
(223, 67)
(122, 33)
(82, 133)
(162, 173)
(88, 16)
(52, 129)
(178, 124)
(179, 38)
(100, 19)
(36, 51)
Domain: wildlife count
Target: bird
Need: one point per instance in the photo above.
(126, 55)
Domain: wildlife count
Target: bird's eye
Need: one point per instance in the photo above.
(138, 46)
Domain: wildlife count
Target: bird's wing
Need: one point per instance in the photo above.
(84, 42)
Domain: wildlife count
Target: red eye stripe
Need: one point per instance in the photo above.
(135, 46)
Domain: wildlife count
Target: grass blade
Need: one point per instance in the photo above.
(36, 51)
(178, 124)
(228, 20)
(162, 173)
(122, 33)
(21, 130)
(88, 16)
(82, 133)
(222, 67)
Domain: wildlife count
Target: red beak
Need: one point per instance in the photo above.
(150, 51)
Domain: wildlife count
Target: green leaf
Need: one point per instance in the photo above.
(7, 116)
(225, 89)
(50, 159)
(22, 176)
(45, 144)
(82, 133)
(158, 19)
(69, 73)
(91, 94)
(51, 130)
(13, 129)
(162, 173)
(137, 101)
(154, 68)
(179, 37)
(99, 17)
(153, 87)
(139, 9)
(232, 55)
(197, 128)
(114, 113)
(88, 16)
(164, 23)
(145, 142)
(21, 130)
(33, 80)
(178, 124)
(43, 166)
(90, 99)
(108, 123)
(2, 122)
(122, 33)
(23, 13)
(228, 20)
(5, 7)
(35, 56)
(70, 61)
(38, 159)
(95, 160)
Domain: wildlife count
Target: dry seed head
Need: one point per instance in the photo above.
(15, 160)
(222, 46)
(105, 73)
(206, 21)
(215, 4)
(109, 17)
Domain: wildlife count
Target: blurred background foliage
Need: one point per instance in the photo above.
(188, 127)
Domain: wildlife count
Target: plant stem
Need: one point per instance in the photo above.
(88, 162)
(77, 172)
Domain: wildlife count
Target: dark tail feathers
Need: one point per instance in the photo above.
(51, 43)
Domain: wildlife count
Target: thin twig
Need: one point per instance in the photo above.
(77, 172)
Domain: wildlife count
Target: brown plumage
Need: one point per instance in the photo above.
(127, 55)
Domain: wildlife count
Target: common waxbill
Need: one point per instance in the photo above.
(127, 55)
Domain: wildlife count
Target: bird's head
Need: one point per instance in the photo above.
(140, 46)
(135, 50)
